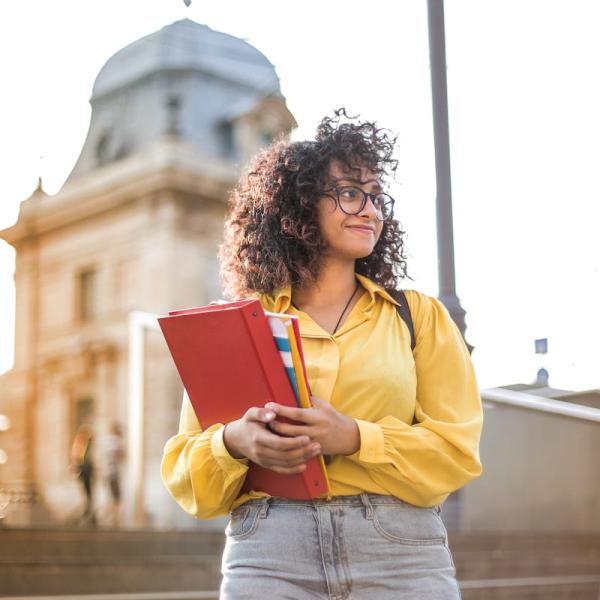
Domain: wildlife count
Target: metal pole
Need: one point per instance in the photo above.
(445, 235)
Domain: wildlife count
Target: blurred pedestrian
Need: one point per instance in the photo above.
(82, 464)
(114, 453)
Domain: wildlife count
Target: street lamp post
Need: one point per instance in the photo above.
(445, 235)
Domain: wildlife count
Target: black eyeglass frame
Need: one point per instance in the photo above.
(366, 196)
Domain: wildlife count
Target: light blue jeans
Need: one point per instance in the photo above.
(366, 547)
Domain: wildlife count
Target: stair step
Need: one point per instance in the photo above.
(124, 561)
(504, 563)
(490, 566)
(584, 587)
(517, 540)
(204, 595)
(62, 544)
(89, 578)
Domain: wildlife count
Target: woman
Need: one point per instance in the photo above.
(311, 233)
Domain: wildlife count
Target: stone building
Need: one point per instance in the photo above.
(135, 227)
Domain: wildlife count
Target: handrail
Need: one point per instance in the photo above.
(540, 404)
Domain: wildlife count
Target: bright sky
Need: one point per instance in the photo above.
(524, 125)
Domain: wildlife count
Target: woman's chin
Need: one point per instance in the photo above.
(362, 251)
(350, 251)
(354, 253)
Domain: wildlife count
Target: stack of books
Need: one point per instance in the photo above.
(233, 356)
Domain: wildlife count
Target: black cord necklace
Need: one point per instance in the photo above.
(343, 312)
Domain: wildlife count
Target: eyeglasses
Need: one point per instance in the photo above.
(352, 201)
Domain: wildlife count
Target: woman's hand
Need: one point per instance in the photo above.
(335, 432)
(250, 438)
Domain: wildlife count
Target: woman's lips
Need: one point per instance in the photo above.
(361, 229)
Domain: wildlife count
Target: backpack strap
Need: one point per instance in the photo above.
(404, 312)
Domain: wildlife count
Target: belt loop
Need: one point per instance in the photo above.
(364, 498)
(264, 509)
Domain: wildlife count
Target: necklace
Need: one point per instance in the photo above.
(343, 312)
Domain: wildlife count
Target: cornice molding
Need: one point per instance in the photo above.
(169, 164)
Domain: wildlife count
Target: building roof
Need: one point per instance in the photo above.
(184, 80)
(187, 45)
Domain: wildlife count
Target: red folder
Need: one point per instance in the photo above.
(228, 361)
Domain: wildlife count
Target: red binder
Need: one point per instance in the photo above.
(228, 362)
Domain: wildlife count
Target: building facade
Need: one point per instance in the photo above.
(136, 227)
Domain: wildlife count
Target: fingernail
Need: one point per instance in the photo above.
(269, 415)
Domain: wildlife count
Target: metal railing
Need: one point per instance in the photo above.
(526, 401)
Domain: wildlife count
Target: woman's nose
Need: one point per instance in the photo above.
(369, 209)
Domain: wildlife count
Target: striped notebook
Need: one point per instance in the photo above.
(286, 333)
(278, 325)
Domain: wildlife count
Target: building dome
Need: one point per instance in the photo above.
(206, 88)
(186, 45)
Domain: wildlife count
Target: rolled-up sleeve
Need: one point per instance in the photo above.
(198, 470)
(425, 461)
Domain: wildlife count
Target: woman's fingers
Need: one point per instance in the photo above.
(289, 458)
(273, 450)
(283, 466)
(262, 415)
(303, 415)
(286, 448)
(265, 437)
(289, 429)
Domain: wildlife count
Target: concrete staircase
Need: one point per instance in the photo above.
(527, 566)
(69, 562)
(184, 565)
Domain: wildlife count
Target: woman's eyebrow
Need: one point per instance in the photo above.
(359, 181)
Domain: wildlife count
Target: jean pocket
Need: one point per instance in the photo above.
(409, 525)
(243, 522)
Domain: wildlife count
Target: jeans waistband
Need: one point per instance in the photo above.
(358, 500)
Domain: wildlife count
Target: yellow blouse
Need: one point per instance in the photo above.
(419, 414)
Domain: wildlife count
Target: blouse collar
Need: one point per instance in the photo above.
(281, 300)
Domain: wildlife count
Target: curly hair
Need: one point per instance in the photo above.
(272, 237)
